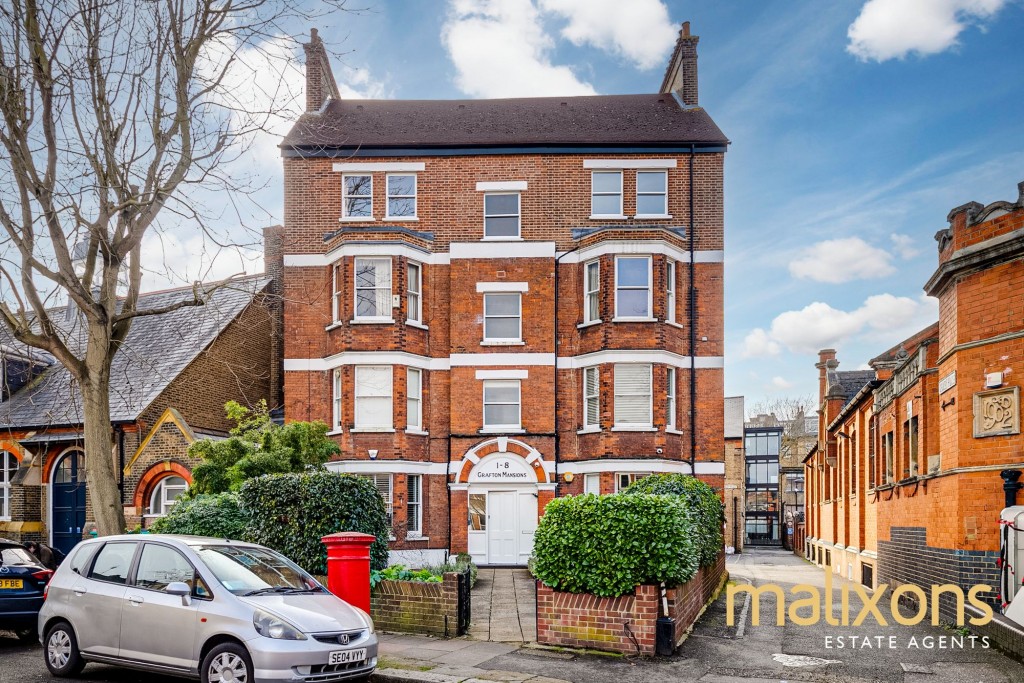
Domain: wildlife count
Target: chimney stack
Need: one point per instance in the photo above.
(681, 75)
(320, 83)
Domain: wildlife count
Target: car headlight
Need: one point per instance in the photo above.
(366, 618)
(268, 625)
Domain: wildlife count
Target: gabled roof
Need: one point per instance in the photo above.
(899, 353)
(657, 120)
(157, 350)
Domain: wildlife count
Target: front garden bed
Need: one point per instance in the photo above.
(601, 563)
(433, 608)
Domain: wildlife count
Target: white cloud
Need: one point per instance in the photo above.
(500, 49)
(904, 246)
(781, 383)
(639, 30)
(892, 29)
(758, 344)
(841, 260)
(882, 318)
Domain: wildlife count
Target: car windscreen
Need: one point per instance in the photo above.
(252, 571)
(16, 556)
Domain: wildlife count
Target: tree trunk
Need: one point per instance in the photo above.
(102, 476)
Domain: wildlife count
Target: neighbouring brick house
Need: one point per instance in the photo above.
(494, 302)
(735, 475)
(936, 427)
(169, 384)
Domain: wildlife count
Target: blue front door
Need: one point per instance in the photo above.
(68, 504)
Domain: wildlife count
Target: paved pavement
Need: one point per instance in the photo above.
(714, 653)
(504, 606)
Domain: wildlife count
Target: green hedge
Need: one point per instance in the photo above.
(701, 500)
(607, 545)
(217, 515)
(292, 512)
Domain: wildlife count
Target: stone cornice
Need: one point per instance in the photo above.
(976, 257)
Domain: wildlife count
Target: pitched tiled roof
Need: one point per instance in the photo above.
(657, 119)
(157, 350)
(907, 347)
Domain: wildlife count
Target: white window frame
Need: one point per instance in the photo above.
(670, 291)
(356, 289)
(592, 483)
(412, 398)
(377, 478)
(649, 288)
(670, 398)
(414, 197)
(664, 195)
(345, 196)
(594, 397)
(518, 216)
(649, 395)
(593, 193)
(504, 340)
(630, 477)
(161, 489)
(591, 294)
(336, 400)
(359, 393)
(414, 484)
(519, 404)
(6, 458)
(336, 279)
(414, 297)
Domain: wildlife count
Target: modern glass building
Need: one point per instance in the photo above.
(761, 452)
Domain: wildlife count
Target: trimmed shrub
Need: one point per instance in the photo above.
(217, 515)
(292, 512)
(702, 502)
(608, 545)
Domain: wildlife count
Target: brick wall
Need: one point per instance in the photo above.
(416, 607)
(625, 624)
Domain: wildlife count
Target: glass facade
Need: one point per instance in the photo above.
(761, 452)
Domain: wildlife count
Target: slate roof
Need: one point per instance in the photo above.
(157, 350)
(846, 384)
(657, 119)
(908, 346)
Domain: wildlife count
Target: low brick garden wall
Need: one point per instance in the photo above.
(417, 607)
(625, 624)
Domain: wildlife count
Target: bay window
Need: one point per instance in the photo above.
(633, 287)
(592, 292)
(591, 398)
(633, 395)
(414, 400)
(373, 289)
(374, 410)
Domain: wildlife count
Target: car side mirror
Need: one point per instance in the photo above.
(179, 588)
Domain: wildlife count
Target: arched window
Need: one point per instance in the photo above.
(8, 468)
(165, 495)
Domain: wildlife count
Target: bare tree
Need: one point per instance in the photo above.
(115, 117)
(790, 413)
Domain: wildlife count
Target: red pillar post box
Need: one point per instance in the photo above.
(348, 567)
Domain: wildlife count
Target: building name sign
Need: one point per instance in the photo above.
(947, 382)
(504, 469)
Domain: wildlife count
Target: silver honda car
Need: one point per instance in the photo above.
(205, 608)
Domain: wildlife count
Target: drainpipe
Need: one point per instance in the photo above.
(1011, 486)
(556, 342)
(693, 327)
(120, 460)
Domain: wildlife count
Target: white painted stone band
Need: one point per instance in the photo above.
(500, 360)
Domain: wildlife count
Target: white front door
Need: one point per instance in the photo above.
(502, 541)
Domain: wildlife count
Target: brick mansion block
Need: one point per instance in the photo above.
(495, 302)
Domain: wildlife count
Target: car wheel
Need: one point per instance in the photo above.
(27, 635)
(61, 652)
(227, 662)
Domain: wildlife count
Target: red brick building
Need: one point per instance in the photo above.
(494, 302)
(921, 476)
(169, 384)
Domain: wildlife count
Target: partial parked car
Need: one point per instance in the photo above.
(204, 608)
(22, 582)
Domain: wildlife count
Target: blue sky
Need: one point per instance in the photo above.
(856, 126)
